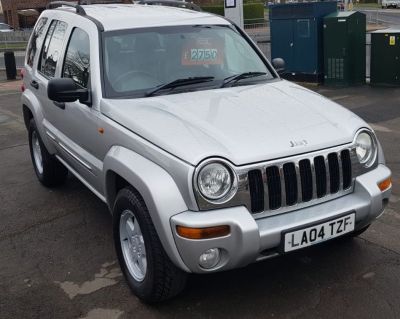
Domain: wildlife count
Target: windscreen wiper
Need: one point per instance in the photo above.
(237, 77)
(178, 83)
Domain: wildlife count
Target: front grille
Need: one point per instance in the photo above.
(299, 181)
(274, 187)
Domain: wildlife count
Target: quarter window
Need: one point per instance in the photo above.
(77, 58)
(52, 48)
(35, 41)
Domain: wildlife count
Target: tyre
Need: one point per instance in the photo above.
(148, 270)
(48, 169)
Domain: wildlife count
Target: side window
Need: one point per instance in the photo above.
(77, 58)
(52, 48)
(35, 41)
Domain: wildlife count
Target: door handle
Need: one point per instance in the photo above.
(35, 84)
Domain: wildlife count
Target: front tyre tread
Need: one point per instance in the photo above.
(163, 280)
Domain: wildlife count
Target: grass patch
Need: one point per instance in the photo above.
(367, 6)
(13, 46)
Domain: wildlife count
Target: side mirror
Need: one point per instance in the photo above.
(279, 65)
(66, 90)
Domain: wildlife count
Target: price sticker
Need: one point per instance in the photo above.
(202, 52)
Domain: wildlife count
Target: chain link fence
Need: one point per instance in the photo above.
(259, 32)
(15, 41)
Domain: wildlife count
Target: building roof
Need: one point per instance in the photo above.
(129, 16)
(343, 14)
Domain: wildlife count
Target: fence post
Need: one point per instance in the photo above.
(11, 68)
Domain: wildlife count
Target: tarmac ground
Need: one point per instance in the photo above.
(57, 258)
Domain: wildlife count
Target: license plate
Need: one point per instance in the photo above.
(318, 233)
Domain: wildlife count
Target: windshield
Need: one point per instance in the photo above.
(136, 61)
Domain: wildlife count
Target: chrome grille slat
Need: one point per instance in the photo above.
(274, 187)
(256, 187)
(299, 187)
(306, 178)
(339, 156)
(334, 172)
(266, 192)
(320, 176)
(346, 161)
(291, 189)
(283, 186)
(314, 180)
(328, 176)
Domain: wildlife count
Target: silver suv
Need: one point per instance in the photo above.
(207, 160)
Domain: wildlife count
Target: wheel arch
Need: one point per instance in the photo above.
(123, 167)
(27, 114)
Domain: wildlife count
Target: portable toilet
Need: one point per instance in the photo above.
(344, 48)
(296, 36)
(385, 57)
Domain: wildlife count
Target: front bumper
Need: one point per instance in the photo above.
(252, 240)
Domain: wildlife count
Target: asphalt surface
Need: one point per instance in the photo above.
(57, 258)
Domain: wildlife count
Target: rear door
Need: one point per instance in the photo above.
(46, 67)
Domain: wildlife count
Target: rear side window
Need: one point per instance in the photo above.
(36, 41)
(52, 48)
(77, 58)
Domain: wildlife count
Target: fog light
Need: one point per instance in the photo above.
(210, 258)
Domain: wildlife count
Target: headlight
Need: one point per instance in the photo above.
(365, 148)
(214, 181)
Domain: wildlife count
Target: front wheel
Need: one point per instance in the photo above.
(148, 270)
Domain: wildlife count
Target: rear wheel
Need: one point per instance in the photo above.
(148, 270)
(48, 169)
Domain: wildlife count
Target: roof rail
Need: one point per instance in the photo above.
(82, 2)
(172, 3)
(56, 4)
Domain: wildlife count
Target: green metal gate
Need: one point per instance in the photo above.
(385, 57)
(344, 48)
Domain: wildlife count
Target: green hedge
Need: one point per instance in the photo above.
(252, 12)
(217, 9)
